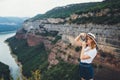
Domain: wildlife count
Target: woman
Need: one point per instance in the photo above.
(87, 55)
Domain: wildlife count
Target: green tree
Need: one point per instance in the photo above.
(35, 75)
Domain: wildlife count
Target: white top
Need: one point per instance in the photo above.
(90, 52)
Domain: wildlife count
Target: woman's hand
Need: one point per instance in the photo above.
(77, 40)
(83, 44)
(82, 34)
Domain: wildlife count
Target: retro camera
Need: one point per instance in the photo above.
(83, 38)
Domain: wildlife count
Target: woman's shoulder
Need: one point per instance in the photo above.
(93, 50)
(89, 49)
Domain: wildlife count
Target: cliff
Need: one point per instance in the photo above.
(47, 43)
(62, 49)
(107, 37)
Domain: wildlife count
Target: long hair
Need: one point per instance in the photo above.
(93, 45)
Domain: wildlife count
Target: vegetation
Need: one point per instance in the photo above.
(77, 49)
(98, 20)
(56, 39)
(110, 4)
(63, 70)
(111, 17)
(36, 75)
(4, 72)
(46, 33)
(30, 57)
(65, 11)
(35, 58)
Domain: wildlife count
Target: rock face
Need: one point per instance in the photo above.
(53, 20)
(33, 40)
(108, 37)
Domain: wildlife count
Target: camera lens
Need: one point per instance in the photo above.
(83, 38)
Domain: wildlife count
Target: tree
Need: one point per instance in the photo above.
(35, 75)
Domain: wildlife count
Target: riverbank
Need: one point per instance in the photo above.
(18, 76)
(6, 57)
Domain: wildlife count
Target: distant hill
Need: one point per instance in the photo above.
(10, 23)
(106, 12)
(12, 19)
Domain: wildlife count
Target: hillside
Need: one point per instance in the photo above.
(4, 72)
(65, 11)
(106, 12)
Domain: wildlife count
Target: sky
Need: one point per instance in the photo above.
(30, 8)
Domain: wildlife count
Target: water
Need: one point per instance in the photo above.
(6, 57)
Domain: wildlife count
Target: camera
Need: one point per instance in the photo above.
(83, 38)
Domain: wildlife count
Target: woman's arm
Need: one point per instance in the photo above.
(82, 55)
(78, 41)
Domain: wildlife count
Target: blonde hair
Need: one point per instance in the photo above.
(93, 44)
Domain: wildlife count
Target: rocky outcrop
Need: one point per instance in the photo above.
(108, 37)
(63, 51)
(21, 34)
(55, 21)
(103, 32)
(33, 40)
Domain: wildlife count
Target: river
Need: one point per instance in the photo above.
(6, 57)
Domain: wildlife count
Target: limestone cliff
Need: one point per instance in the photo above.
(107, 36)
(101, 19)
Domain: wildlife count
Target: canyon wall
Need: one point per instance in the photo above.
(107, 36)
